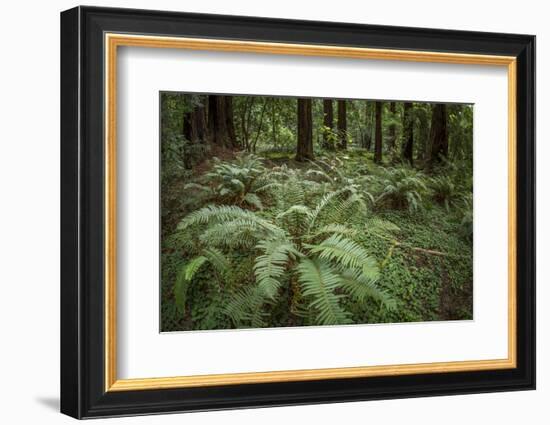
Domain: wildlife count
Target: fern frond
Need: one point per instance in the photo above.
(381, 226)
(270, 266)
(345, 252)
(184, 277)
(218, 260)
(246, 306)
(319, 174)
(339, 229)
(253, 200)
(226, 213)
(319, 281)
(193, 266)
(321, 205)
(362, 287)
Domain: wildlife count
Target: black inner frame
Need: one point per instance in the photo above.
(82, 212)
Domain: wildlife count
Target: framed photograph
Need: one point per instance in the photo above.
(261, 212)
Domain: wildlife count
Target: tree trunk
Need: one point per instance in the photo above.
(194, 124)
(304, 149)
(342, 125)
(378, 134)
(230, 125)
(392, 127)
(408, 139)
(328, 122)
(439, 137)
(220, 121)
(368, 120)
(274, 121)
(187, 126)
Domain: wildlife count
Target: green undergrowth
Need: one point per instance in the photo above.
(264, 241)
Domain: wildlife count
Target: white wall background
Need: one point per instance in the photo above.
(29, 213)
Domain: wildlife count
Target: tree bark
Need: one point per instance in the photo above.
(194, 124)
(328, 122)
(378, 134)
(439, 137)
(304, 148)
(221, 128)
(342, 125)
(408, 141)
(392, 127)
(229, 122)
(274, 121)
(187, 126)
(368, 125)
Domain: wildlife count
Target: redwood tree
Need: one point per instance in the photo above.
(392, 127)
(304, 148)
(439, 136)
(194, 122)
(378, 134)
(220, 121)
(408, 138)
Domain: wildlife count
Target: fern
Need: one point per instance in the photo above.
(184, 278)
(246, 306)
(253, 200)
(363, 287)
(338, 229)
(305, 246)
(226, 213)
(345, 252)
(402, 188)
(319, 281)
(218, 260)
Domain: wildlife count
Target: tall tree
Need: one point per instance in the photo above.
(439, 135)
(342, 125)
(408, 136)
(274, 121)
(328, 122)
(304, 148)
(368, 124)
(392, 127)
(220, 121)
(230, 122)
(194, 121)
(378, 133)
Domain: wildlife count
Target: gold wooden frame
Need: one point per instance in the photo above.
(113, 41)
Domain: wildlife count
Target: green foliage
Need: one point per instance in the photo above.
(298, 247)
(445, 191)
(259, 240)
(238, 182)
(319, 282)
(402, 187)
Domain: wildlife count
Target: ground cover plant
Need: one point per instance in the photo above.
(295, 212)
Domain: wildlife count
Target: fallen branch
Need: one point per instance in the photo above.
(396, 243)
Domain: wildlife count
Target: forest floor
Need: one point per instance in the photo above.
(426, 266)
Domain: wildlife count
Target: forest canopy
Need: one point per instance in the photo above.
(280, 211)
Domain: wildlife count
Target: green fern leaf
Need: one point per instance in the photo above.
(270, 266)
(254, 200)
(362, 287)
(184, 277)
(344, 251)
(319, 281)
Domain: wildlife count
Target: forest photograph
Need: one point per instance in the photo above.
(285, 211)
